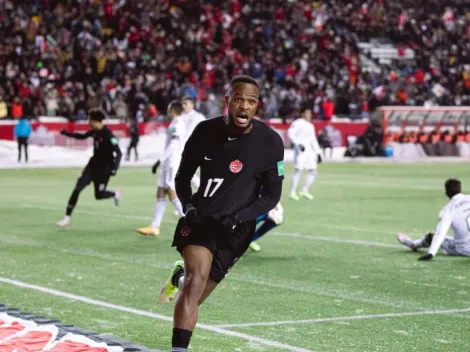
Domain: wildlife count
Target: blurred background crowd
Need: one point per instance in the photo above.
(131, 57)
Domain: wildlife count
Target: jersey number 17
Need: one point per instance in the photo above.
(217, 183)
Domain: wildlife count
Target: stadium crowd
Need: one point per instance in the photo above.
(131, 57)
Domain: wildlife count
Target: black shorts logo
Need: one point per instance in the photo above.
(185, 230)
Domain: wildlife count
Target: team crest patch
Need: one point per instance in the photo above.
(185, 230)
(236, 166)
(280, 168)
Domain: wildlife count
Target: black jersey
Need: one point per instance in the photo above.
(105, 146)
(234, 168)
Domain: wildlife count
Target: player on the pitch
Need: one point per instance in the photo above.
(268, 221)
(169, 161)
(103, 164)
(191, 119)
(237, 156)
(307, 153)
(455, 214)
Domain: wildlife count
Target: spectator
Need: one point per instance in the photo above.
(17, 109)
(22, 132)
(3, 108)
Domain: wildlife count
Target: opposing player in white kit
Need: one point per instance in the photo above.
(191, 118)
(307, 153)
(170, 162)
(455, 214)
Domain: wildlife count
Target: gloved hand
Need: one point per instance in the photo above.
(229, 222)
(63, 132)
(192, 216)
(301, 148)
(113, 172)
(428, 256)
(155, 167)
(319, 158)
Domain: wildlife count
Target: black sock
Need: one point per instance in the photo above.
(181, 338)
(176, 277)
(104, 195)
(72, 202)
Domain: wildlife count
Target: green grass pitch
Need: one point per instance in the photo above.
(331, 278)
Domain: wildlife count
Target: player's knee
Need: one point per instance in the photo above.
(195, 282)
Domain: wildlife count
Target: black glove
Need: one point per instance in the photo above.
(428, 256)
(113, 172)
(63, 132)
(301, 147)
(229, 222)
(319, 159)
(155, 167)
(192, 216)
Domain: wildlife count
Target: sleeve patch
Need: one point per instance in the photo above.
(114, 141)
(280, 168)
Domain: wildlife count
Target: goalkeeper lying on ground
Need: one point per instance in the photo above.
(455, 214)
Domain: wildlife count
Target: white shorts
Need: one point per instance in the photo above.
(167, 178)
(306, 160)
(449, 248)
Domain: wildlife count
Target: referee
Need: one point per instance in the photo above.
(237, 156)
(103, 164)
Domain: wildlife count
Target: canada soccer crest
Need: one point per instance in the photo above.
(185, 230)
(236, 166)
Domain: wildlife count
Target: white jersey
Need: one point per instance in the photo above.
(191, 120)
(455, 214)
(302, 132)
(173, 145)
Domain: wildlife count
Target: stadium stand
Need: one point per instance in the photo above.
(133, 57)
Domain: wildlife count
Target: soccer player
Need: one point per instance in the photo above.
(307, 153)
(238, 156)
(103, 164)
(266, 223)
(191, 119)
(169, 161)
(134, 135)
(455, 214)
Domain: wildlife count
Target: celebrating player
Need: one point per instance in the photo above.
(170, 161)
(307, 153)
(191, 119)
(266, 223)
(237, 156)
(455, 214)
(103, 164)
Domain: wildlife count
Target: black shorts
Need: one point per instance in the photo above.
(97, 173)
(226, 249)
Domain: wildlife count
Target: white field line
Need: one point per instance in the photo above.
(276, 233)
(348, 295)
(354, 317)
(143, 313)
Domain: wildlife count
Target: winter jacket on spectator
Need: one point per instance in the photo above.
(23, 128)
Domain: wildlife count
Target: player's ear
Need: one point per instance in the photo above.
(227, 99)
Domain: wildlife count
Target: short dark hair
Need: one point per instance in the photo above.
(242, 79)
(187, 97)
(176, 106)
(304, 108)
(96, 115)
(453, 187)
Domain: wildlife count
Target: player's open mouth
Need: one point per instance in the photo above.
(241, 119)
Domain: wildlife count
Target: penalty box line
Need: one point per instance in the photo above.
(90, 301)
(354, 317)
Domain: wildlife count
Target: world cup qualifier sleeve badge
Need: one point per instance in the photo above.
(236, 166)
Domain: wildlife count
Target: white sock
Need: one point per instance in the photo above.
(295, 180)
(196, 181)
(179, 208)
(421, 243)
(159, 211)
(309, 179)
(67, 217)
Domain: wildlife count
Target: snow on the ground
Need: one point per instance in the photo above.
(150, 149)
